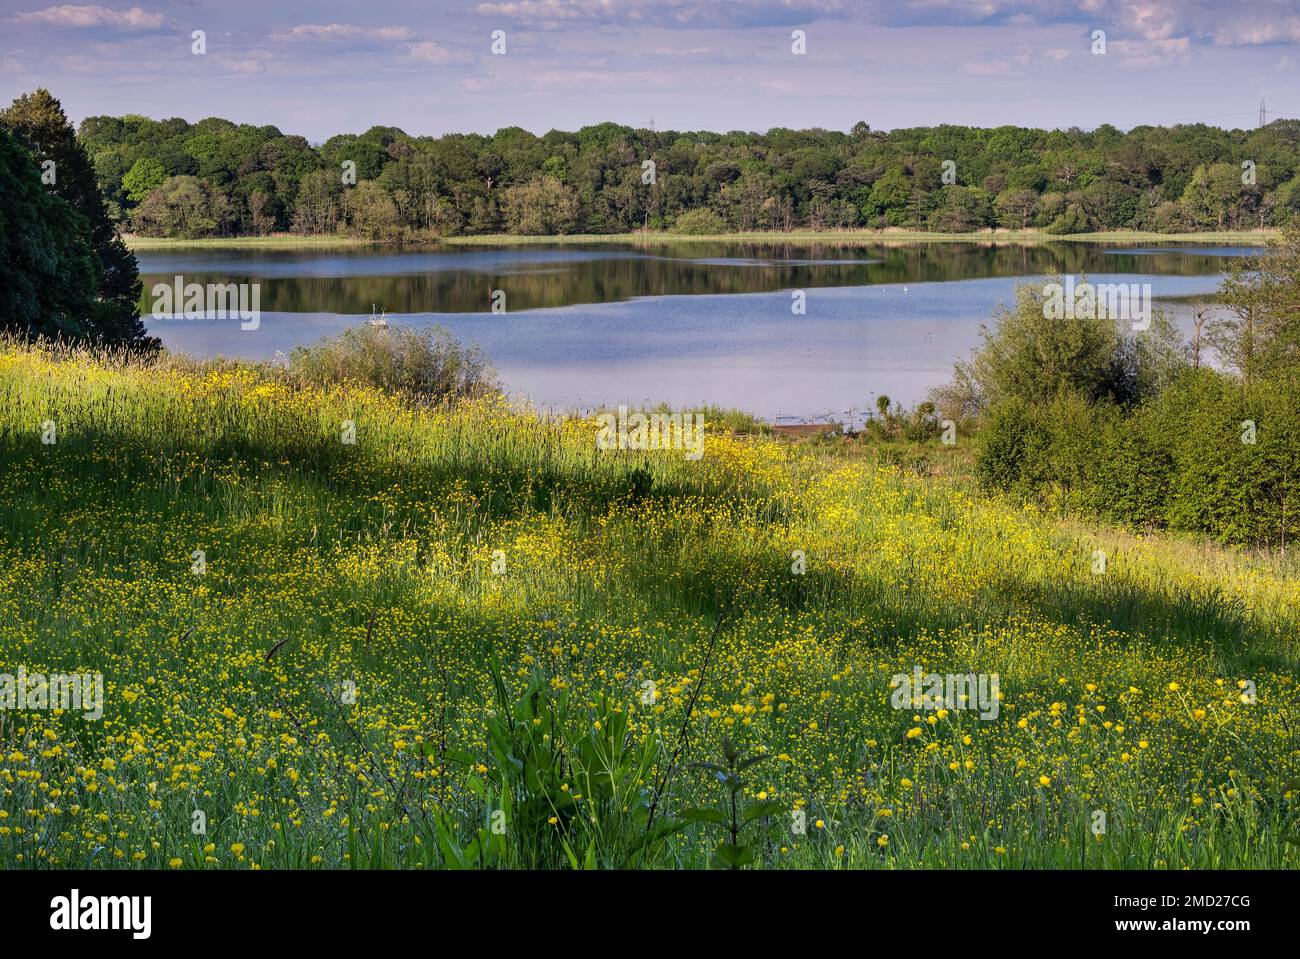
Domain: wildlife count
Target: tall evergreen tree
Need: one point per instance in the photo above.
(38, 120)
(48, 274)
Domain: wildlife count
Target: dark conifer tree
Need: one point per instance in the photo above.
(37, 119)
(48, 274)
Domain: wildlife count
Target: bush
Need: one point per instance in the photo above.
(1073, 220)
(1236, 491)
(1004, 446)
(1084, 416)
(428, 366)
(700, 222)
(1178, 461)
(1133, 475)
(1049, 451)
(1033, 356)
(958, 400)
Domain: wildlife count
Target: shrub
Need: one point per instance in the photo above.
(1235, 490)
(1048, 451)
(699, 222)
(1033, 356)
(1004, 445)
(427, 365)
(1073, 220)
(958, 400)
(1133, 474)
(1178, 461)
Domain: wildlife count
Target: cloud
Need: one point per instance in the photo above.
(390, 41)
(987, 68)
(1154, 21)
(1151, 53)
(1015, 64)
(670, 13)
(1208, 22)
(1201, 22)
(346, 31)
(593, 79)
(1257, 33)
(71, 15)
(429, 52)
(679, 52)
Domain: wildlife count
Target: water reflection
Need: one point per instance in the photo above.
(462, 280)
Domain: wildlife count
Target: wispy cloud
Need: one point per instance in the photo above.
(1025, 60)
(679, 13)
(1249, 32)
(345, 31)
(607, 79)
(1208, 22)
(1151, 53)
(91, 15)
(429, 51)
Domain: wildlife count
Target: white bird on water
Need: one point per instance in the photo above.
(381, 320)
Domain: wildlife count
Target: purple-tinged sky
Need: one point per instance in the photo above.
(319, 68)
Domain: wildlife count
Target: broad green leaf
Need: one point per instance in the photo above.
(704, 815)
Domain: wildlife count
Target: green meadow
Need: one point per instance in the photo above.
(337, 628)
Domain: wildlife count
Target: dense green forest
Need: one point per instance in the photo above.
(217, 178)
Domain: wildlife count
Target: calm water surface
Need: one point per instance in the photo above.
(688, 324)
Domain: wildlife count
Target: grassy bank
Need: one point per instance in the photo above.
(796, 238)
(877, 237)
(282, 241)
(471, 638)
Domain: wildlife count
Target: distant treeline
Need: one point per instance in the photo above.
(214, 178)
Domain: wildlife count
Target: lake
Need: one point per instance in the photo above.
(688, 323)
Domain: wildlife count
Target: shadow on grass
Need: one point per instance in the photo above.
(700, 582)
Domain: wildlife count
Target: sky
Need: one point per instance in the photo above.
(323, 67)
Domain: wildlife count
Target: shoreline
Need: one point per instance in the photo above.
(284, 241)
